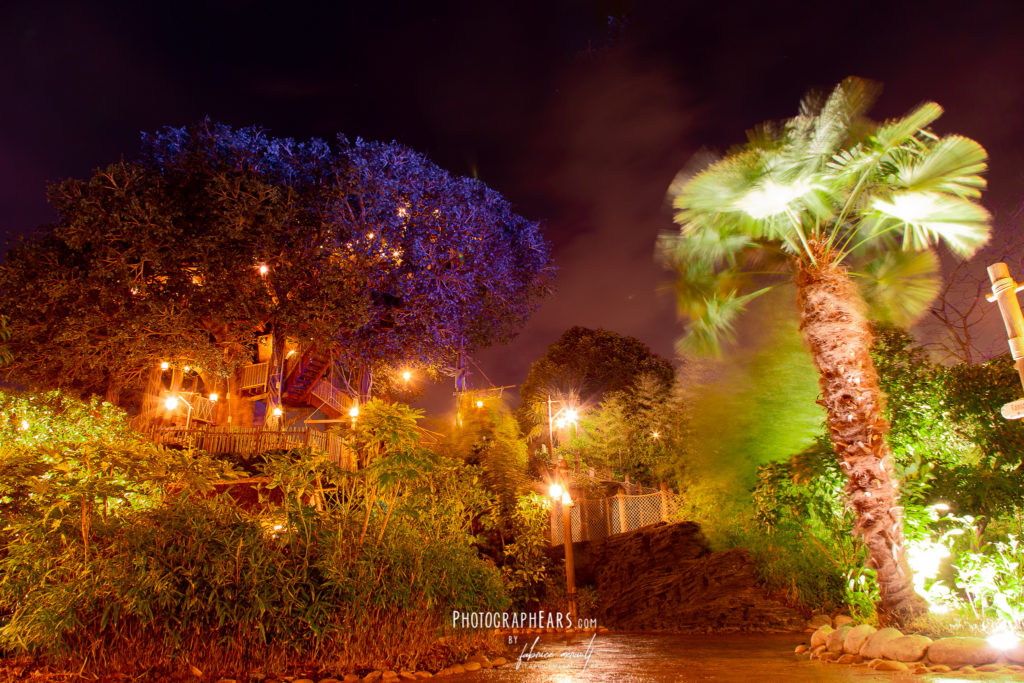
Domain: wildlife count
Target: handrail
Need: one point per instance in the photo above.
(330, 394)
(255, 440)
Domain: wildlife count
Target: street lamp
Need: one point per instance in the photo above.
(172, 404)
(561, 496)
(571, 415)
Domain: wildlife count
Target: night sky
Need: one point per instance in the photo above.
(580, 120)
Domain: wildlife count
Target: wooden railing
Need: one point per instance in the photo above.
(253, 440)
(331, 395)
(202, 408)
(254, 376)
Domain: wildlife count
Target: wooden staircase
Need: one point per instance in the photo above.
(299, 383)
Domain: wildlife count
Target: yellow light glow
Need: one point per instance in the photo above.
(290, 354)
(571, 415)
(353, 412)
(556, 491)
(910, 207)
(566, 498)
(1004, 639)
(165, 365)
(278, 412)
(213, 397)
(407, 375)
(560, 423)
(479, 404)
(369, 235)
(171, 402)
(24, 425)
(186, 369)
(655, 435)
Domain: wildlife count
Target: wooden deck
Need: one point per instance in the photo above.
(254, 440)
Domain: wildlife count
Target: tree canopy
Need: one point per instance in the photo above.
(587, 364)
(215, 235)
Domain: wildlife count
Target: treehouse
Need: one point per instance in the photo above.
(243, 413)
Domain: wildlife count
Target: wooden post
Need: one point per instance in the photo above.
(607, 518)
(664, 501)
(305, 441)
(570, 561)
(621, 498)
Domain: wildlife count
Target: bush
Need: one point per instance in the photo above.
(348, 570)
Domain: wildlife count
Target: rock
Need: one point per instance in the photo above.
(226, 680)
(472, 666)
(906, 648)
(939, 669)
(818, 620)
(829, 656)
(351, 678)
(842, 620)
(872, 647)
(663, 577)
(482, 660)
(424, 674)
(954, 652)
(390, 674)
(800, 649)
(303, 680)
(855, 638)
(834, 641)
(373, 676)
(1015, 654)
(820, 636)
(499, 661)
(989, 668)
(329, 680)
(887, 665)
(967, 669)
(848, 659)
(457, 670)
(817, 650)
(407, 675)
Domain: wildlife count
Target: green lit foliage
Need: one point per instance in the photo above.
(525, 566)
(5, 334)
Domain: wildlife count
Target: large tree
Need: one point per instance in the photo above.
(215, 235)
(849, 210)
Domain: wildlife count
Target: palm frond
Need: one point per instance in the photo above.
(953, 165)
(928, 218)
(716, 324)
(899, 285)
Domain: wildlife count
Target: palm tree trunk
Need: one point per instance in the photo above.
(834, 327)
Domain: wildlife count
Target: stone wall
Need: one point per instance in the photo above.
(663, 577)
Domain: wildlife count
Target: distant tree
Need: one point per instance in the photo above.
(587, 364)
(810, 199)
(216, 235)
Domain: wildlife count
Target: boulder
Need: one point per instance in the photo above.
(842, 620)
(818, 620)
(1015, 654)
(850, 659)
(872, 647)
(351, 678)
(855, 638)
(960, 651)
(906, 648)
(801, 649)
(989, 668)
(834, 641)
(499, 661)
(820, 636)
(472, 666)
(373, 676)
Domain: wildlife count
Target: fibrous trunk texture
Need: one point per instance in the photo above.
(834, 327)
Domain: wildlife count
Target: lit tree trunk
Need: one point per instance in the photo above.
(835, 328)
(275, 381)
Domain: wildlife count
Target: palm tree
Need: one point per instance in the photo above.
(850, 212)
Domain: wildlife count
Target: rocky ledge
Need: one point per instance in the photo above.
(663, 577)
(889, 649)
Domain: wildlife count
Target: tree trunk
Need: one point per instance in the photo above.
(834, 327)
(275, 380)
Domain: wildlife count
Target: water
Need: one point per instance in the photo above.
(637, 658)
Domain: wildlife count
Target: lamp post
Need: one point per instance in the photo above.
(562, 497)
(172, 403)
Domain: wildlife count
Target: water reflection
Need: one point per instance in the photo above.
(634, 658)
